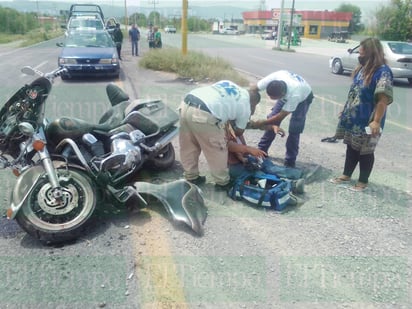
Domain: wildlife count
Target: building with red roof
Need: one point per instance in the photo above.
(310, 24)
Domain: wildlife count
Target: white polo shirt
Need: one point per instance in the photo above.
(297, 88)
(226, 101)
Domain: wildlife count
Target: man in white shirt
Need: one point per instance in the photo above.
(294, 96)
(203, 115)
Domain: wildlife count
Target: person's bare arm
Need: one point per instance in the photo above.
(380, 109)
(244, 149)
(263, 123)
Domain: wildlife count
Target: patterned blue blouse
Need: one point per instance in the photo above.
(359, 108)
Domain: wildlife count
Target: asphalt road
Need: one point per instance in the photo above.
(336, 249)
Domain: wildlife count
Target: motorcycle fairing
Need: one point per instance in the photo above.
(182, 200)
(25, 105)
(25, 184)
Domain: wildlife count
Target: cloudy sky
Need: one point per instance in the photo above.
(320, 4)
(366, 6)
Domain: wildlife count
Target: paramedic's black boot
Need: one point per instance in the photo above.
(198, 181)
(225, 187)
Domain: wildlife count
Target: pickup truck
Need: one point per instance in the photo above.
(170, 29)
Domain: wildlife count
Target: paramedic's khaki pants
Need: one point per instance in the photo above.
(202, 132)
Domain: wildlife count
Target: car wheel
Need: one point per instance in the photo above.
(337, 66)
(410, 81)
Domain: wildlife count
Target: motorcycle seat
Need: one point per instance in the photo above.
(73, 128)
(115, 94)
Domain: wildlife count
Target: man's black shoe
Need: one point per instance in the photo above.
(225, 187)
(198, 181)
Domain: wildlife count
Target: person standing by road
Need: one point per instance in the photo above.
(150, 36)
(294, 96)
(365, 110)
(157, 38)
(118, 39)
(203, 115)
(134, 37)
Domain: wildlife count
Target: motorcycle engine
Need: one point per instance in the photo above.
(124, 156)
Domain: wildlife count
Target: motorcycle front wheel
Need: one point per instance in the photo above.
(52, 220)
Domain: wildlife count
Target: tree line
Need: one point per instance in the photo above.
(14, 22)
(394, 22)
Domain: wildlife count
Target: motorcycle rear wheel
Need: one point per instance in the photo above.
(49, 222)
(164, 160)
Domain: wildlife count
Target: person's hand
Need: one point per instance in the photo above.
(256, 124)
(279, 130)
(256, 152)
(375, 128)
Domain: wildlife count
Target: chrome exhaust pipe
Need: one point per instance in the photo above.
(161, 143)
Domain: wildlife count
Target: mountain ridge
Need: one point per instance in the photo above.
(54, 9)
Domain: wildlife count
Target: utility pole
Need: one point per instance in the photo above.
(280, 26)
(154, 2)
(291, 23)
(126, 19)
(262, 5)
(184, 26)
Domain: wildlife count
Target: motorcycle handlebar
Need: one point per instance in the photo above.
(50, 76)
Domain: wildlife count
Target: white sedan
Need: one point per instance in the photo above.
(230, 31)
(398, 56)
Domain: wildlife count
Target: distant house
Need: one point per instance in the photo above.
(320, 24)
(310, 24)
(258, 21)
(46, 19)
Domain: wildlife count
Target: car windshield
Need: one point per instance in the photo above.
(85, 23)
(401, 48)
(89, 40)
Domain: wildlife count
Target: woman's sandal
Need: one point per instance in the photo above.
(339, 180)
(359, 187)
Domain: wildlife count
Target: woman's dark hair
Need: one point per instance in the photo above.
(374, 56)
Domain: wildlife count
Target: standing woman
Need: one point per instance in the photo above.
(365, 110)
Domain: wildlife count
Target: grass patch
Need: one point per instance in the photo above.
(30, 38)
(194, 65)
(8, 38)
(40, 35)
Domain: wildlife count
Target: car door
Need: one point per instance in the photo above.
(350, 60)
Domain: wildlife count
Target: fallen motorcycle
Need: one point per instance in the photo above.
(68, 166)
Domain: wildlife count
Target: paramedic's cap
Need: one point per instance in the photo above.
(276, 89)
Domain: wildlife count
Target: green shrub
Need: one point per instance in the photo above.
(40, 35)
(193, 65)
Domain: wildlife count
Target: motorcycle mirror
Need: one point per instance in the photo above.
(26, 128)
(28, 71)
